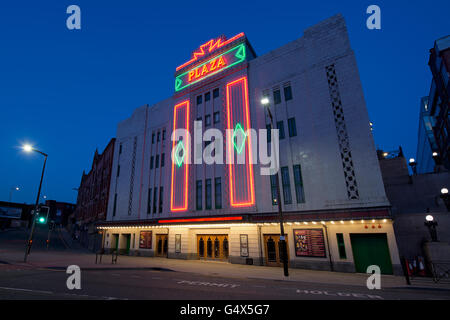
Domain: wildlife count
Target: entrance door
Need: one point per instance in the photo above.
(212, 246)
(371, 249)
(116, 242)
(161, 245)
(272, 249)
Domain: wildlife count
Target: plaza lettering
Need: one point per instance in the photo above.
(207, 68)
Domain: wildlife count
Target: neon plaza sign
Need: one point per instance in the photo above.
(211, 67)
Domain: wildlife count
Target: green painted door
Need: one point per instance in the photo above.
(371, 249)
(117, 241)
(128, 243)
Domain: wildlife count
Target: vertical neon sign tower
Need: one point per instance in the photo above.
(242, 188)
(216, 59)
(180, 168)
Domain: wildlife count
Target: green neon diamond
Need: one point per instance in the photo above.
(179, 159)
(237, 129)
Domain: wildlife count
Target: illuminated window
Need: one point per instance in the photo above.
(341, 246)
(161, 196)
(199, 100)
(286, 185)
(287, 92)
(151, 162)
(157, 161)
(216, 117)
(149, 201)
(273, 188)
(207, 120)
(216, 93)
(208, 198)
(276, 96)
(218, 193)
(299, 193)
(280, 127)
(207, 96)
(198, 195)
(292, 127)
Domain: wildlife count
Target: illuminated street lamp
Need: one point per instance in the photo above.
(413, 165)
(431, 225)
(11, 192)
(446, 198)
(265, 103)
(28, 148)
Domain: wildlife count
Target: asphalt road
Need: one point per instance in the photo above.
(28, 282)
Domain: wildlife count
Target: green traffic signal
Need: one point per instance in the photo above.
(41, 220)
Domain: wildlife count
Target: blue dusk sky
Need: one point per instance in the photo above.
(65, 91)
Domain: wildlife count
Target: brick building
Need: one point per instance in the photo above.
(93, 195)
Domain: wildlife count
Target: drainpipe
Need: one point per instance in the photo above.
(328, 245)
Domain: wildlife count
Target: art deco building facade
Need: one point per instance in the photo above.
(335, 209)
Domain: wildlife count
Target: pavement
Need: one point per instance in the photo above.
(44, 276)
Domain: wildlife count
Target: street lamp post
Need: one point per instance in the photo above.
(11, 192)
(446, 198)
(29, 148)
(413, 165)
(431, 225)
(265, 103)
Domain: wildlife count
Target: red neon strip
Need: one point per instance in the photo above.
(200, 219)
(185, 195)
(212, 46)
(249, 176)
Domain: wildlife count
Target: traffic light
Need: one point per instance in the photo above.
(42, 215)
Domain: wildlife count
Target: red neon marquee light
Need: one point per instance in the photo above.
(201, 219)
(209, 47)
(248, 171)
(174, 178)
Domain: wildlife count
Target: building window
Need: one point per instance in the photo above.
(208, 199)
(276, 96)
(299, 192)
(280, 127)
(151, 162)
(149, 201)
(286, 185)
(216, 93)
(269, 132)
(120, 149)
(341, 246)
(207, 96)
(153, 137)
(157, 161)
(287, 92)
(155, 190)
(218, 193)
(199, 195)
(161, 196)
(115, 204)
(118, 170)
(158, 136)
(207, 120)
(273, 188)
(164, 135)
(162, 159)
(199, 100)
(216, 117)
(292, 127)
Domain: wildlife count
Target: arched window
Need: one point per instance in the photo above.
(201, 247)
(271, 250)
(225, 247)
(209, 248)
(216, 248)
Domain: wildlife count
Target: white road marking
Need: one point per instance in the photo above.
(341, 294)
(27, 290)
(209, 284)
